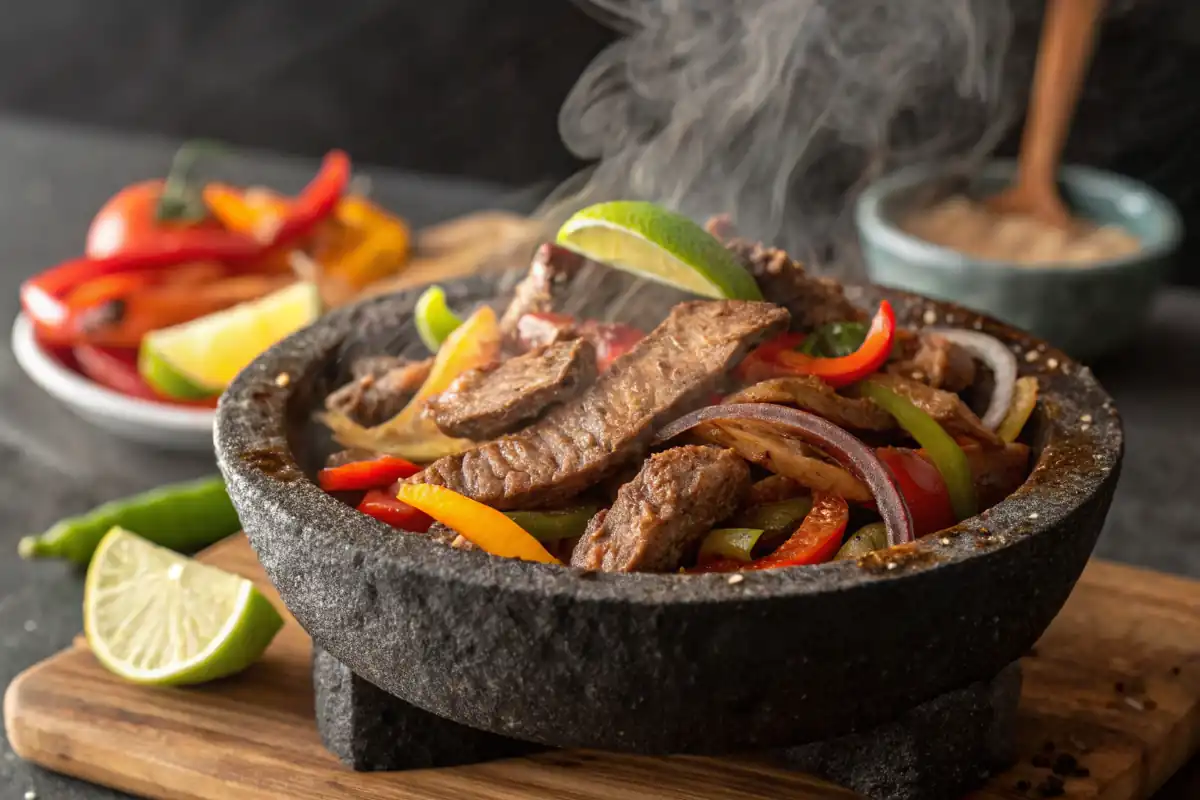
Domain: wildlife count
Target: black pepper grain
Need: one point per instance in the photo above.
(1175, 671)
(1065, 764)
(1119, 686)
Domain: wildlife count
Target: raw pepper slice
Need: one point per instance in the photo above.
(814, 542)
(736, 544)
(434, 319)
(844, 370)
(372, 474)
(945, 453)
(866, 539)
(383, 506)
(923, 488)
(551, 526)
(488, 529)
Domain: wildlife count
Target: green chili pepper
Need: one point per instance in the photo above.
(182, 516)
(735, 543)
(781, 516)
(433, 318)
(940, 446)
(550, 526)
(866, 539)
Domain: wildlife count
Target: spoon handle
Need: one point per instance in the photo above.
(1068, 37)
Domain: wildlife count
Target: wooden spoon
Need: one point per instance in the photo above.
(1068, 38)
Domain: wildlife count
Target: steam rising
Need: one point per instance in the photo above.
(780, 111)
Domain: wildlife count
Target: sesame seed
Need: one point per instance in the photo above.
(31, 795)
(30, 626)
(930, 316)
(282, 379)
(1032, 355)
(735, 579)
(1086, 418)
(1135, 704)
(945, 540)
(1034, 515)
(892, 565)
(1052, 363)
(1084, 427)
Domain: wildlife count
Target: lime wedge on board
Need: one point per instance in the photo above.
(198, 359)
(651, 242)
(153, 616)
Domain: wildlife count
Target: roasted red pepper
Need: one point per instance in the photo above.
(923, 488)
(373, 474)
(43, 296)
(383, 506)
(612, 340)
(816, 540)
(778, 358)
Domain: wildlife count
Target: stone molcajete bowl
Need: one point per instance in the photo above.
(660, 663)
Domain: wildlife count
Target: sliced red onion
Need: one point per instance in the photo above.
(844, 448)
(999, 359)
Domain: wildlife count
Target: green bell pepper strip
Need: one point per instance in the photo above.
(940, 446)
(835, 340)
(782, 516)
(433, 318)
(866, 539)
(550, 526)
(735, 543)
(182, 516)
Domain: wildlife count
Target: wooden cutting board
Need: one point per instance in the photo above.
(1115, 681)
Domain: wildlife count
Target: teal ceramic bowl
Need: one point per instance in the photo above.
(1085, 310)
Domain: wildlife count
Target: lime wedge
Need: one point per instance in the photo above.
(155, 617)
(198, 359)
(659, 245)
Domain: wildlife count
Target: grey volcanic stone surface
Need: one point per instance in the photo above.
(940, 749)
(369, 729)
(658, 663)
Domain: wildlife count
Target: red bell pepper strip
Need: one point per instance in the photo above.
(923, 488)
(762, 363)
(844, 370)
(612, 340)
(816, 540)
(375, 473)
(42, 295)
(383, 506)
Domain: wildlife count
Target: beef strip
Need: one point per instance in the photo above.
(945, 407)
(660, 516)
(813, 301)
(933, 359)
(485, 403)
(381, 387)
(544, 328)
(543, 288)
(670, 372)
(813, 394)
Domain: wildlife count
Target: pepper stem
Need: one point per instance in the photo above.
(181, 199)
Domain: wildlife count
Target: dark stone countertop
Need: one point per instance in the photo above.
(55, 464)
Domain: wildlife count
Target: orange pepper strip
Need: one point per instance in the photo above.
(484, 526)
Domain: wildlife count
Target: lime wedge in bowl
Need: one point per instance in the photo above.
(198, 359)
(651, 242)
(155, 617)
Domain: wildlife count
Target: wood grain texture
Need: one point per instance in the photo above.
(1115, 681)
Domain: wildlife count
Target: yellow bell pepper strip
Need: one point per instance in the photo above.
(375, 244)
(728, 543)
(485, 527)
(1025, 395)
(943, 451)
(410, 434)
(551, 526)
(433, 318)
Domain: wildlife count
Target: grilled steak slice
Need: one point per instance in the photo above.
(544, 328)
(813, 394)
(671, 371)
(541, 291)
(945, 407)
(813, 301)
(933, 359)
(382, 386)
(485, 403)
(660, 516)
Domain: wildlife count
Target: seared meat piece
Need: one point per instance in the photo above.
(668, 373)
(660, 516)
(813, 301)
(997, 471)
(542, 290)
(772, 489)
(933, 359)
(382, 386)
(813, 394)
(945, 407)
(485, 403)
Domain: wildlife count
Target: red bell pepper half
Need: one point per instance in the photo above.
(776, 357)
(375, 473)
(383, 506)
(816, 540)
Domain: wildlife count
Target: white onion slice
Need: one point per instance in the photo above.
(999, 359)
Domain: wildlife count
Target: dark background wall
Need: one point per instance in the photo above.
(472, 87)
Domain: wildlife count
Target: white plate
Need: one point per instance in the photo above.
(158, 424)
